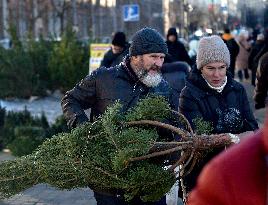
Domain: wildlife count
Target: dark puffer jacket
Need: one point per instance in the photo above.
(175, 74)
(103, 87)
(228, 111)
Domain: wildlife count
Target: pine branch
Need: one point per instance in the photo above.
(156, 154)
(177, 130)
(189, 127)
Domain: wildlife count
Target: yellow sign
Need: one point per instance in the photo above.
(97, 51)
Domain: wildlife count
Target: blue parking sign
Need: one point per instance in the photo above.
(131, 12)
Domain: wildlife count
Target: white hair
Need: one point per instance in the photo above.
(152, 80)
(149, 79)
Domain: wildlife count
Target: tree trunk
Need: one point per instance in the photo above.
(75, 22)
(34, 19)
(5, 18)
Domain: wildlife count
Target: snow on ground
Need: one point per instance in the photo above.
(49, 105)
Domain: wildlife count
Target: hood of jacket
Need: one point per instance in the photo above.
(172, 31)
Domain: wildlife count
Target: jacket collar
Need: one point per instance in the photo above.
(196, 80)
(126, 72)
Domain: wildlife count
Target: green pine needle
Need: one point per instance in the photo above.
(96, 155)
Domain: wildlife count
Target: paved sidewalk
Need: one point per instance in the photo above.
(260, 113)
(43, 194)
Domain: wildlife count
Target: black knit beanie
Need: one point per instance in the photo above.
(147, 40)
(119, 39)
(172, 31)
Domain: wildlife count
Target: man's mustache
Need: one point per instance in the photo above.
(145, 72)
(155, 67)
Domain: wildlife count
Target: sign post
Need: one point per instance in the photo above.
(97, 51)
(131, 12)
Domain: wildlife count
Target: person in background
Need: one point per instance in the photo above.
(261, 89)
(175, 74)
(241, 63)
(118, 50)
(137, 77)
(233, 48)
(176, 49)
(211, 94)
(237, 176)
(193, 45)
(256, 31)
(263, 49)
(252, 64)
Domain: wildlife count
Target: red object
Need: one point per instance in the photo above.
(237, 176)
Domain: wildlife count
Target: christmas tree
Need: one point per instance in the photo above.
(119, 151)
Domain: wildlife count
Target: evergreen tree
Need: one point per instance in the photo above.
(119, 151)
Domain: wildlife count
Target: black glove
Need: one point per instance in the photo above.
(80, 120)
(77, 120)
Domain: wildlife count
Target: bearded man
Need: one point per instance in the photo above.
(136, 77)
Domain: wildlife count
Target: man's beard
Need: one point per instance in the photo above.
(149, 79)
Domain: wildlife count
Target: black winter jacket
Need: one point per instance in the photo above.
(177, 52)
(103, 87)
(233, 48)
(110, 59)
(175, 74)
(228, 111)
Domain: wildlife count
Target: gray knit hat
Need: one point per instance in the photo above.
(147, 40)
(212, 49)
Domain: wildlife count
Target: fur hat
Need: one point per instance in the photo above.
(119, 39)
(212, 49)
(147, 40)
